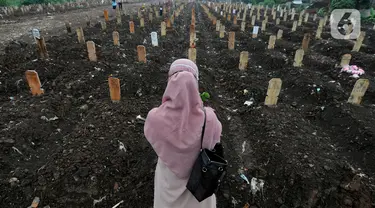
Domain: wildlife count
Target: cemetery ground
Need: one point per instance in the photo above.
(74, 147)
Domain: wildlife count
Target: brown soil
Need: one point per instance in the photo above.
(311, 150)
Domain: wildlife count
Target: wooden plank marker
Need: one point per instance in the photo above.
(150, 17)
(264, 24)
(320, 29)
(294, 28)
(192, 36)
(91, 51)
(42, 49)
(131, 27)
(358, 43)
(315, 16)
(81, 37)
(68, 26)
(231, 39)
(118, 18)
(229, 17)
(300, 20)
(345, 60)
(218, 26)
(142, 22)
(306, 17)
(235, 20)
(34, 82)
(114, 89)
(116, 38)
(222, 31)
(274, 16)
(163, 29)
(273, 92)
(193, 54)
(306, 41)
(271, 42)
(277, 21)
(253, 20)
(358, 91)
(243, 26)
(244, 59)
(279, 34)
(298, 58)
(104, 25)
(106, 17)
(141, 53)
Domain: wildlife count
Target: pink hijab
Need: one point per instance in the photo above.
(174, 128)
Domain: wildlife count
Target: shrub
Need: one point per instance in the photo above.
(322, 12)
(342, 4)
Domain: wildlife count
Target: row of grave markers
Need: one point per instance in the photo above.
(275, 84)
(114, 83)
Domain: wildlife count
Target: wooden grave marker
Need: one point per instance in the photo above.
(80, 35)
(42, 48)
(294, 28)
(193, 54)
(277, 21)
(118, 18)
(271, 42)
(131, 27)
(142, 22)
(358, 43)
(141, 53)
(231, 40)
(163, 29)
(300, 20)
(244, 59)
(264, 25)
(217, 25)
(285, 18)
(320, 29)
(104, 25)
(235, 20)
(34, 82)
(273, 92)
(192, 36)
(91, 51)
(279, 34)
(68, 26)
(306, 41)
(298, 58)
(106, 17)
(306, 17)
(345, 60)
(253, 20)
(315, 16)
(114, 89)
(358, 91)
(222, 31)
(243, 26)
(116, 38)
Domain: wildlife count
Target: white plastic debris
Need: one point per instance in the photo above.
(121, 146)
(139, 117)
(243, 146)
(99, 200)
(249, 102)
(256, 185)
(49, 119)
(118, 204)
(245, 91)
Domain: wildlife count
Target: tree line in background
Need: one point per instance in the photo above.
(28, 2)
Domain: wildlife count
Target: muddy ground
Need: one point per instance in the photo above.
(312, 150)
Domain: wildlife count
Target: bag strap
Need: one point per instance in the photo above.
(203, 128)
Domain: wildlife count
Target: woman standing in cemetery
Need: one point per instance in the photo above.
(174, 130)
(114, 4)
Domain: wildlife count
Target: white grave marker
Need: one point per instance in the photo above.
(154, 39)
(36, 33)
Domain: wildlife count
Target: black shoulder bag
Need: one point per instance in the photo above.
(208, 171)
